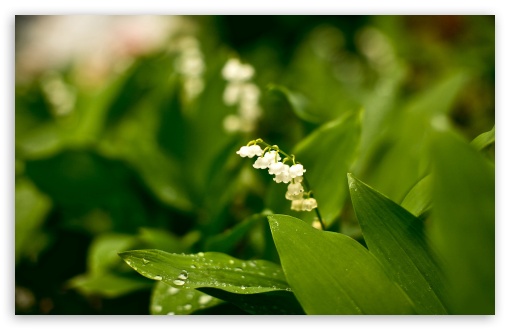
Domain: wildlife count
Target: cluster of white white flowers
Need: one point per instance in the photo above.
(242, 92)
(190, 64)
(269, 158)
(60, 95)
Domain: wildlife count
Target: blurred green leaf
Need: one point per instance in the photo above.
(164, 240)
(31, 208)
(327, 153)
(103, 251)
(108, 285)
(331, 273)
(298, 103)
(396, 238)
(168, 300)
(463, 222)
(483, 140)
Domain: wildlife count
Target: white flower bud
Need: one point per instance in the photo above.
(309, 204)
(244, 151)
(297, 205)
(295, 188)
(296, 170)
(293, 197)
(249, 151)
(276, 168)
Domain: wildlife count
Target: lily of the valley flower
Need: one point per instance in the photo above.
(250, 151)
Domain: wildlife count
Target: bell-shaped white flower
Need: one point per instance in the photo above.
(297, 205)
(295, 188)
(276, 168)
(309, 204)
(269, 158)
(284, 175)
(293, 197)
(250, 151)
(296, 170)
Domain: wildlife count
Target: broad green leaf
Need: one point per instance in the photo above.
(210, 269)
(326, 154)
(483, 140)
(331, 273)
(108, 285)
(419, 199)
(168, 300)
(463, 222)
(252, 284)
(31, 207)
(396, 238)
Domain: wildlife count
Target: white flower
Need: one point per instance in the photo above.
(250, 151)
(295, 188)
(235, 71)
(268, 159)
(232, 93)
(297, 205)
(296, 170)
(276, 168)
(284, 175)
(293, 197)
(309, 204)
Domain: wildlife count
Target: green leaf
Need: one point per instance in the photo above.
(484, 140)
(164, 240)
(103, 251)
(31, 207)
(418, 200)
(298, 103)
(219, 275)
(210, 269)
(331, 273)
(107, 285)
(396, 238)
(168, 300)
(326, 154)
(463, 222)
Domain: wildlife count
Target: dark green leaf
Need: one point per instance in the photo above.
(108, 285)
(396, 238)
(331, 273)
(298, 103)
(419, 200)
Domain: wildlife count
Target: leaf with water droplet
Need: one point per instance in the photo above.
(222, 272)
(167, 300)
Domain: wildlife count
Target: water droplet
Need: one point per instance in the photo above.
(158, 278)
(173, 290)
(189, 296)
(145, 261)
(242, 276)
(253, 264)
(204, 299)
(231, 261)
(237, 269)
(183, 275)
(193, 266)
(243, 287)
(179, 282)
(244, 264)
(157, 308)
(200, 254)
(170, 313)
(262, 274)
(187, 307)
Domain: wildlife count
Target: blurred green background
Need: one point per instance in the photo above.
(118, 146)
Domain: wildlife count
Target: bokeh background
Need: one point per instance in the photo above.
(124, 139)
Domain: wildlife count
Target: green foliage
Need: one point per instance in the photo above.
(119, 156)
(331, 273)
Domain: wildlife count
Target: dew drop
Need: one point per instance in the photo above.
(178, 282)
(187, 307)
(231, 261)
(204, 300)
(170, 313)
(262, 274)
(237, 269)
(173, 290)
(145, 261)
(183, 275)
(200, 254)
(243, 287)
(242, 276)
(158, 278)
(189, 296)
(251, 263)
(158, 308)
(193, 266)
